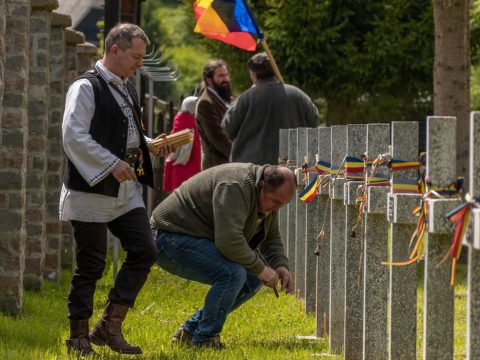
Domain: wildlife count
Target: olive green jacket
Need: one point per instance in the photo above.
(221, 204)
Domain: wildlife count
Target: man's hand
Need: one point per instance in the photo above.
(168, 149)
(268, 276)
(123, 172)
(285, 279)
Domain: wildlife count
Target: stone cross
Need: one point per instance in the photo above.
(323, 258)
(283, 212)
(300, 218)
(402, 308)
(337, 243)
(292, 205)
(375, 250)
(311, 227)
(356, 146)
(438, 294)
(473, 298)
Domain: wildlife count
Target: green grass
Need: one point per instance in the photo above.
(264, 328)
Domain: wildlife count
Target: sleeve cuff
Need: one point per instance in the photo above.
(278, 261)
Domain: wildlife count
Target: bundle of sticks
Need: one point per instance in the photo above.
(176, 140)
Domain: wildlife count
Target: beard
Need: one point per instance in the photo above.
(224, 90)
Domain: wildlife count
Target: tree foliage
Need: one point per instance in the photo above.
(356, 54)
(368, 60)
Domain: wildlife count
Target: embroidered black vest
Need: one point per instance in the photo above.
(109, 128)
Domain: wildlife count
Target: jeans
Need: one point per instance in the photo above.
(199, 260)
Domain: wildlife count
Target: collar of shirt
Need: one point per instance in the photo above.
(108, 76)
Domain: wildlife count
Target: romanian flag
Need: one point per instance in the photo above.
(311, 191)
(229, 21)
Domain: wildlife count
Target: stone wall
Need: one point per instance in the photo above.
(13, 155)
(38, 112)
(55, 155)
(2, 60)
(38, 58)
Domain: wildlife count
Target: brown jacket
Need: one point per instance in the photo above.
(216, 145)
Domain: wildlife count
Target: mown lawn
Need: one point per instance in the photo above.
(264, 328)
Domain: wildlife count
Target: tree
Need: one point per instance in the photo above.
(356, 54)
(452, 70)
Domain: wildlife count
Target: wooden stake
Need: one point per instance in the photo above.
(272, 60)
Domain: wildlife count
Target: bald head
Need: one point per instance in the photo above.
(277, 187)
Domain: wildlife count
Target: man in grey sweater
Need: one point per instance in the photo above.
(220, 228)
(253, 120)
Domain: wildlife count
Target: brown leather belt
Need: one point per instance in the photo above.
(131, 156)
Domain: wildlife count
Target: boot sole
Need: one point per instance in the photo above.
(120, 351)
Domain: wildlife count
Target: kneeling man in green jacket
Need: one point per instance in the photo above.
(220, 228)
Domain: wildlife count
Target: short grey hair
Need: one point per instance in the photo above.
(122, 35)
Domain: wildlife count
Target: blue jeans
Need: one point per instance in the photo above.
(199, 260)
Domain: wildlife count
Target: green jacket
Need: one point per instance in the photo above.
(221, 204)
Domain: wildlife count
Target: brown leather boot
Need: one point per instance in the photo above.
(79, 341)
(108, 330)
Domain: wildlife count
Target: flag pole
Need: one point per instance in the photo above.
(275, 68)
(263, 41)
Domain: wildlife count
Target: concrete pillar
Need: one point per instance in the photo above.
(375, 250)
(38, 112)
(300, 218)
(323, 258)
(311, 227)
(473, 298)
(402, 310)
(283, 212)
(356, 146)
(292, 205)
(438, 294)
(13, 155)
(337, 243)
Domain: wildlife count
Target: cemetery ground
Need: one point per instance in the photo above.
(264, 328)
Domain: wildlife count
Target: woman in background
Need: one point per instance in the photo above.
(186, 160)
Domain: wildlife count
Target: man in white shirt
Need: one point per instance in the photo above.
(108, 159)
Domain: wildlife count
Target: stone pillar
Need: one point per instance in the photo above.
(311, 227)
(72, 39)
(438, 294)
(356, 146)
(292, 205)
(55, 155)
(375, 251)
(402, 310)
(86, 57)
(283, 212)
(337, 243)
(323, 258)
(38, 112)
(300, 218)
(13, 155)
(473, 298)
(2, 60)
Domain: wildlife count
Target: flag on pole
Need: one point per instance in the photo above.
(229, 21)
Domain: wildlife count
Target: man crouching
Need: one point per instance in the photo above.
(221, 228)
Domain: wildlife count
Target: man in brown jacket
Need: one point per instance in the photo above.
(212, 105)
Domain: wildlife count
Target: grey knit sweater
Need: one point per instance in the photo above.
(254, 119)
(221, 204)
